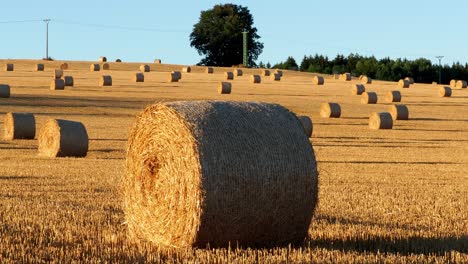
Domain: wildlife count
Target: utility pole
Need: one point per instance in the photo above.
(47, 20)
(245, 62)
(440, 68)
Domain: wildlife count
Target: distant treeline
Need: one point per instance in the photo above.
(422, 70)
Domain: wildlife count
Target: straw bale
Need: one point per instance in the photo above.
(357, 89)
(9, 67)
(345, 76)
(105, 66)
(393, 96)
(118, 60)
(306, 124)
(157, 61)
(39, 67)
(265, 72)
(275, 77)
(62, 138)
(105, 80)
(68, 80)
(410, 80)
(224, 88)
(209, 70)
(403, 83)
(139, 77)
(366, 80)
(57, 84)
(4, 91)
(102, 59)
(461, 84)
(369, 98)
(64, 66)
(187, 183)
(178, 74)
(399, 112)
(445, 91)
(145, 68)
(19, 126)
(173, 77)
(280, 72)
(318, 80)
(95, 67)
(330, 110)
(238, 72)
(58, 73)
(382, 120)
(229, 75)
(186, 69)
(453, 83)
(255, 78)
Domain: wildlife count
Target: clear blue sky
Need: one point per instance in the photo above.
(144, 30)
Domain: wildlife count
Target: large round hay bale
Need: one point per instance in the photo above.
(445, 91)
(178, 74)
(357, 89)
(318, 80)
(403, 83)
(68, 80)
(368, 98)
(9, 67)
(330, 110)
(366, 80)
(229, 75)
(399, 112)
(187, 184)
(39, 67)
(57, 84)
(238, 72)
(335, 76)
(118, 60)
(58, 73)
(64, 66)
(95, 67)
(102, 59)
(157, 61)
(453, 83)
(139, 77)
(105, 66)
(224, 88)
(410, 80)
(255, 78)
(306, 124)
(4, 91)
(105, 80)
(382, 120)
(62, 138)
(461, 84)
(275, 77)
(265, 72)
(186, 69)
(280, 72)
(173, 77)
(345, 76)
(393, 96)
(19, 126)
(209, 70)
(145, 68)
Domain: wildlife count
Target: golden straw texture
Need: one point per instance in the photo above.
(145, 68)
(62, 138)
(238, 72)
(57, 84)
(19, 126)
(382, 120)
(102, 59)
(393, 96)
(275, 77)
(222, 173)
(369, 98)
(224, 88)
(58, 73)
(410, 80)
(357, 89)
(95, 67)
(453, 83)
(318, 80)
(399, 112)
(461, 84)
(265, 73)
(209, 70)
(105, 80)
(403, 83)
(330, 110)
(365, 79)
(173, 77)
(445, 91)
(105, 66)
(186, 69)
(64, 66)
(345, 76)
(157, 61)
(229, 76)
(255, 79)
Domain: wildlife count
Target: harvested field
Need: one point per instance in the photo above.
(396, 195)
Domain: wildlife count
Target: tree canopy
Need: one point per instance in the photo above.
(218, 36)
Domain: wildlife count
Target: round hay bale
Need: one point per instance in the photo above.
(19, 126)
(62, 138)
(280, 72)
(238, 72)
(209, 70)
(357, 89)
(229, 75)
(318, 80)
(360, 77)
(145, 68)
(9, 67)
(368, 98)
(118, 60)
(102, 59)
(445, 91)
(105, 80)
(216, 198)
(57, 84)
(453, 83)
(173, 77)
(186, 69)
(64, 66)
(399, 112)
(366, 80)
(139, 77)
(461, 84)
(393, 96)
(39, 67)
(68, 80)
(157, 61)
(275, 77)
(224, 88)
(434, 83)
(345, 76)
(335, 76)
(95, 67)
(403, 83)
(330, 110)
(105, 66)
(306, 124)
(255, 78)
(4, 91)
(58, 73)
(178, 74)
(265, 73)
(382, 120)
(410, 80)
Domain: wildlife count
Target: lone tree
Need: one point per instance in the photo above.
(218, 36)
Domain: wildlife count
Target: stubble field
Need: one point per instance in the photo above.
(397, 195)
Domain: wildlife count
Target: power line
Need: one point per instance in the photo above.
(118, 27)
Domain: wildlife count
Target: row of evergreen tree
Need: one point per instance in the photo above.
(422, 70)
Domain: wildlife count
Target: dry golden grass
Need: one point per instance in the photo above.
(396, 195)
